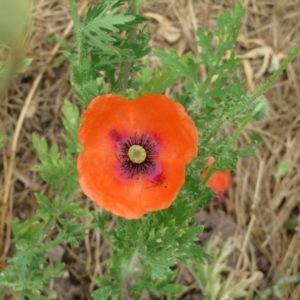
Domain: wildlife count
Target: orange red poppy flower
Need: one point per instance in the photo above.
(219, 181)
(135, 153)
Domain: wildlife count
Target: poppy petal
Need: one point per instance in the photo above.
(108, 174)
(103, 186)
(159, 193)
(219, 180)
(167, 120)
(103, 116)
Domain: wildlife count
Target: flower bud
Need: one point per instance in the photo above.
(263, 108)
(263, 111)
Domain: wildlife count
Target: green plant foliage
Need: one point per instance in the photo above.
(98, 23)
(200, 96)
(211, 103)
(71, 122)
(108, 290)
(55, 170)
(208, 275)
(158, 287)
(154, 251)
(151, 81)
(186, 66)
(101, 50)
(275, 289)
(59, 216)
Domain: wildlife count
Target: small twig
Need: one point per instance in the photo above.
(256, 200)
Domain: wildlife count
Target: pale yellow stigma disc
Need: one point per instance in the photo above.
(137, 154)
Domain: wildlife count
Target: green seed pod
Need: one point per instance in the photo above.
(262, 110)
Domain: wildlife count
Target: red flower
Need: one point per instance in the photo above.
(219, 181)
(135, 153)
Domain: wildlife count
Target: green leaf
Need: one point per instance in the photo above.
(40, 146)
(28, 232)
(274, 290)
(46, 209)
(171, 290)
(71, 121)
(98, 24)
(156, 83)
(71, 231)
(55, 170)
(205, 40)
(185, 66)
(107, 22)
(106, 291)
(228, 24)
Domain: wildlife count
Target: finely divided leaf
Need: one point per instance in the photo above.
(99, 24)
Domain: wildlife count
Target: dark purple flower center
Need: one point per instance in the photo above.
(137, 155)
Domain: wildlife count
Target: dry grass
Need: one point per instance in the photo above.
(258, 203)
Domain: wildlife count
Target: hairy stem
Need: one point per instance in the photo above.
(128, 272)
(230, 143)
(260, 91)
(125, 69)
(76, 20)
(259, 106)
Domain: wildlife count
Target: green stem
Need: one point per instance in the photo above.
(259, 106)
(127, 275)
(60, 240)
(260, 91)
(76, 20)
(193, 273)
(230, 143)
(206, 82)
(125, 69)
(209, 174)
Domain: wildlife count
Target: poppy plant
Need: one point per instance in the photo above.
(219, 181)
(135, 153)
